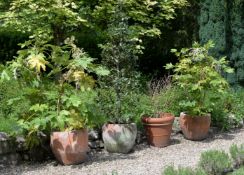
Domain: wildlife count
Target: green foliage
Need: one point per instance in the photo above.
(238, 172)
(146, 17)
(56, 83)
(228, 111)
(238, 104)
(8, 41)
(197, 74)
(8, 125)
(163, 97)
(182, 171)
(212, 25)
(237, 154)
(222, 21)
(237, 29)
(119, 54)
(215, 162)
(11, 90)
(133, 105)
(176, 33)
(44, 19)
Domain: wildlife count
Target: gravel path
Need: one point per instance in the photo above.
(144, 160)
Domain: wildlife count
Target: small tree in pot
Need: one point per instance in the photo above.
(198, 74)
(119, 54)
(158, 124)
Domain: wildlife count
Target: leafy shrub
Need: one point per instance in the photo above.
(198, 73)
(9, 113)
(237, 154)
(11, 90)
(238, 172)
(57, 85)
(8, 125)
(228, 110)
(215, 162)
(133, 105)
(182, 171)
(164, 97)
(221, 111)
(237, 107)
(169, 99)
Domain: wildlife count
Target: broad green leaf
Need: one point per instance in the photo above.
(169, 66)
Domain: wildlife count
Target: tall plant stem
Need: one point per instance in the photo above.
(117, 89)
(61, 91)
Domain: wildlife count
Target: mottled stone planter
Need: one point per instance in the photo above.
(119, 138)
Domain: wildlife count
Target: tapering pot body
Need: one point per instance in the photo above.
(195, 127)
(70, 147)
(119, 138)
(158, 130)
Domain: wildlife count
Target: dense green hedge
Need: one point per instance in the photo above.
(223, 22)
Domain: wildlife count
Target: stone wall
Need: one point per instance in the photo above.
(8, 153)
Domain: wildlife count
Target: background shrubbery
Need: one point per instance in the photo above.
(148, 33)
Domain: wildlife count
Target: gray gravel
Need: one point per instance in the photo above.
(144, 160)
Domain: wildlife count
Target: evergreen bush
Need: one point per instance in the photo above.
(215, 162)
(237, 154)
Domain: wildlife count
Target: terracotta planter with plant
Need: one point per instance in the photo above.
(62, 97)
(195, 128)
(158, 130)
(198, 75)
(158, 125)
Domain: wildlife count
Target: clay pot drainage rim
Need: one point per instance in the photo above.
(164, 124)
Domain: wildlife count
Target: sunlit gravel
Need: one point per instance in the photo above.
(144, 160)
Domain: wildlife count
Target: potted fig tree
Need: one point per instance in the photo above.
(198, 73)
(56, 83)
(158, 124)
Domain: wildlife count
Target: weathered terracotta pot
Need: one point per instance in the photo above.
(158, 130)
(119, 138)
(70, 147)
(195, 128)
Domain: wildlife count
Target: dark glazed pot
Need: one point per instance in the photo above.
(70, 147)
(158, 130)
(119, 138)
(195, 128)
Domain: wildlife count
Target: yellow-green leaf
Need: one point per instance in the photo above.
(37, 62)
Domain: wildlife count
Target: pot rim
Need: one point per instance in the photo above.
(160, 120)
(184, 114)
(72, 131)
(120, 123)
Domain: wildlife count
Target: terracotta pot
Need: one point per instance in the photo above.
(119, 138)
(158, 130)
(70, 147)
(195, 128)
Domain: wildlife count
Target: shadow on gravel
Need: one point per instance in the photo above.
(26, 167)
(219, 135)
(104, 157)
(175, 141)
